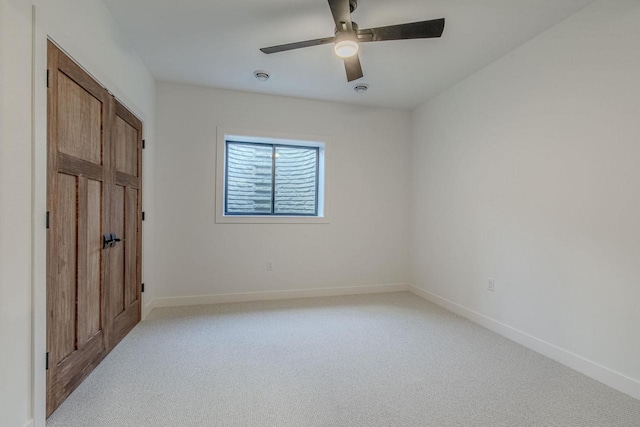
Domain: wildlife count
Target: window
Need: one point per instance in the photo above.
(271, 178)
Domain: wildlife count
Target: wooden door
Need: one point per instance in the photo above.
(79, 111)
(93, 190)
(124, 268)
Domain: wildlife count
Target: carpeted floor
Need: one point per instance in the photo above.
(373, 360)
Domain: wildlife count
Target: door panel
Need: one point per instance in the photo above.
(131, 243)
(94, 258)
(78, 110)
(126, 147)
(93, 189)
(79, 121)
(64, 311)
(125, 267)
(116, 254)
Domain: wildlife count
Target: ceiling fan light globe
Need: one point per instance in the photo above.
(346, 48)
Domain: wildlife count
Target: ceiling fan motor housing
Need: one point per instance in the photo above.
(354, 25)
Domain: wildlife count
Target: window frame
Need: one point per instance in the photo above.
(279, 139)
(273, 146)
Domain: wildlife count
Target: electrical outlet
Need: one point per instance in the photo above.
(269, 265)
(491, 284)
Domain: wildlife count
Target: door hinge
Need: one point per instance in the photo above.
(142, 287)
(143, 144)
(46, 363)
(47, 77)
(143, 215)
(48, 223)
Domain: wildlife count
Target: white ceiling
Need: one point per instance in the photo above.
(216, 43)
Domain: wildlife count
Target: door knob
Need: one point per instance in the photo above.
(109, 240)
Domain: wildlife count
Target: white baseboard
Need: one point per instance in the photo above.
(29, 424)
(147, 305)
(273, 295)
(587, 367)
(146, 309)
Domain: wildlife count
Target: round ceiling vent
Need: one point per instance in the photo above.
(261, 75)
(361, 88)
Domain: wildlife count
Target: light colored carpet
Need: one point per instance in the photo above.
(373, 360)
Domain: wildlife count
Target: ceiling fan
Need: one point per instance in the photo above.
(348, 36)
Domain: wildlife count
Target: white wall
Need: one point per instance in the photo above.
(90, 35)
(366, 242)
(529, 172)
(15, 212)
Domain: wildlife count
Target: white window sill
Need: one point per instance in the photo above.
(233, 219)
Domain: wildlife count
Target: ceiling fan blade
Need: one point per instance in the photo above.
(341, 12)
(415, 30)
(297, 45)
(354, 68)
